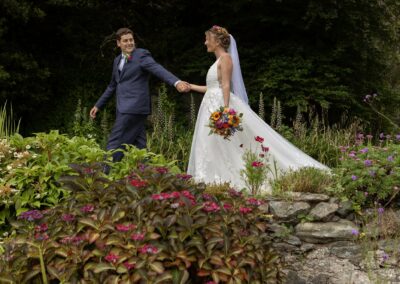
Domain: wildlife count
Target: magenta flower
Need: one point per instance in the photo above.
(72, 240)
(245, 210)
(254, 201)
(381, 210)
(227, 206)
(138, 236)
(210, 206)
(87, 208)
(264, 149)
(162, 170)
(68, 217)
(124, 228)
(207, 196)
(234, 193)
(113, 258)
(150, 249)
(259, 139)
(41, 228)
(184, 176)
(257, 164)
(138, 183)
(128, 265)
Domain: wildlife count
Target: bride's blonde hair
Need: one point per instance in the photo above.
(221, 34)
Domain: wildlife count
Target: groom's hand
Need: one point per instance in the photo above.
(183, 87)
(93, 112)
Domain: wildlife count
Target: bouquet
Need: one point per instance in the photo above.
(225, 122)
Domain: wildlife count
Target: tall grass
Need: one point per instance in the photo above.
(7, 124)
(167, 137)
(313, 135)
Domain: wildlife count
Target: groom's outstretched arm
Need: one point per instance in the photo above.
(149, 64)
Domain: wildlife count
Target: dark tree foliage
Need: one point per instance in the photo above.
(321, 54)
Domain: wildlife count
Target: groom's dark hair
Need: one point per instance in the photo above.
(123, 31)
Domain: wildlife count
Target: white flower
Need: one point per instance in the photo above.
(27, 147)
(89, 135)
(16, 154)
(9, 167)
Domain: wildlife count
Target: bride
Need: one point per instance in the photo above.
(214, 159)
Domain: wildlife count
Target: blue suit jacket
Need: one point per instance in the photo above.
(131, 85)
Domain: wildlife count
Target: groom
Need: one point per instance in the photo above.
(129, 80)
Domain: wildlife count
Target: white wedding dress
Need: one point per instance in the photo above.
(216, 160)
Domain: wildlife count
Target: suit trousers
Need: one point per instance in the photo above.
(128, 129)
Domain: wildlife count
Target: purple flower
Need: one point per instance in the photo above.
(87, 208)
(381, 135)
(360, 136)
(365, 150)
(369, 136)
(385, 256)
(381, 210)
(354, 177)
(368, 163)
(365, 193)
(68, 217)
(184, 176)
(390, 158)
(31, 215)
(372, 173)
(355, 232)
(352, 154)
(398, 137)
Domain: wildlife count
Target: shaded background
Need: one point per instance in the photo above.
(321, 56)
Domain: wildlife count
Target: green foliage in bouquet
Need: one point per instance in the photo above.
(151, 227)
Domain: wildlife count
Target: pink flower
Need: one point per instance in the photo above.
(128, 265)
(210, 206)
(184, 176)
(207, 196)
(150, 249)
(245, 210)
(113, 258)
(254, 201)
(87, 208)
(162, 170)
(227, 206)
(41, 228)
(138, 183)
(72, 240)
(138, 236)
(257, 164)
(232, 111)
(264, 149)
(68, 217)
(234, 193)
(259, 139)
(125, 228)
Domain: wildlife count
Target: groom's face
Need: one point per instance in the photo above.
(126, 43)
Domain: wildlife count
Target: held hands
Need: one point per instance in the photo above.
(93, 112)
(183, 87)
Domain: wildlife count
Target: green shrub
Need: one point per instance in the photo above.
(303, 180)
(152, 227)
(30, 169)
(370, 174)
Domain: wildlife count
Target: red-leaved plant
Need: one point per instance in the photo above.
(152, 227)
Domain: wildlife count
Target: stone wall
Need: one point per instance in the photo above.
(316, 236)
